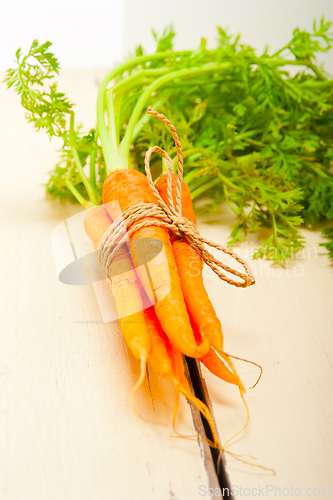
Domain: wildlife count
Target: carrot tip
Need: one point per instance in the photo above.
(246, 423)
(143, 363)
(176, 408)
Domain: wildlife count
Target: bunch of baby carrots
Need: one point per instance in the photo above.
(182, 320)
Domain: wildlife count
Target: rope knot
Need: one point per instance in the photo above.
(183, 225)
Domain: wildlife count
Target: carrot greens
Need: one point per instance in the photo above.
(256, 130)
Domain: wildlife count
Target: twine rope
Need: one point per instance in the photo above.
(169, 217)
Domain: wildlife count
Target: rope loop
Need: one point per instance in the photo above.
(170, 217)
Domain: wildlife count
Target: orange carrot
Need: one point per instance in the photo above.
(202, 315)
(167, 362)
(200, 308)
(216, 366)
(129, 188)
(125, 291)
(187, 206)
(161, 350)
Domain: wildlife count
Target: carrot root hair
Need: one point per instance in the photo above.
(204, 410)
(238, 457)
(226, 358)
(176, 408)
(194, 437)
(143, 364)
(252, 363)
(227, 443)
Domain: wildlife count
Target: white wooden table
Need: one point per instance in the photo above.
(67, 430)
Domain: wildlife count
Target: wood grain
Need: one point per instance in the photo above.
(67, 430)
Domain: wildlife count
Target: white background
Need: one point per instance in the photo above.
(98, 34)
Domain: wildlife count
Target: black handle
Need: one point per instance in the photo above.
(200, 394)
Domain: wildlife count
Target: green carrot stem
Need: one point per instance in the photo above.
(316, 71)
(92, 164)
(117, 114)
(197, 192)
(147, 117)
(85, 181)
(133, 80)
(112, 126)
(85, 203)
(126, 142)
(109, 151)
(226, 181)
(227, 200)
(77, 161)
(190, 176)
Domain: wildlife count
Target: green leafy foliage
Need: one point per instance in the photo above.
(265, 134)
(328, 233)
(164, 42)
(47, 107)
(51, 110)
(57, 186)
(256, 130)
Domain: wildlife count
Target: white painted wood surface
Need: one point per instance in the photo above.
(67, 430)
